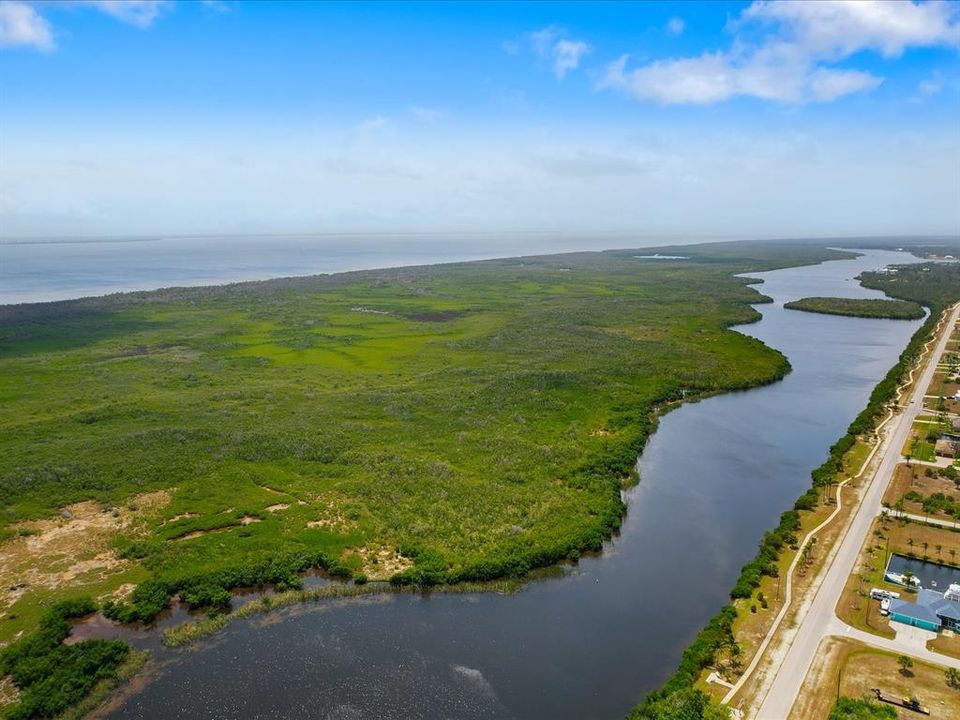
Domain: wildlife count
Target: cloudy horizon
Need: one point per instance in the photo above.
(721, 119)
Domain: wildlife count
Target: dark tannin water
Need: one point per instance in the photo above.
(715, 476)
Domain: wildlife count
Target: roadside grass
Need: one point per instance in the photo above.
(857, 669)
(917, 447)
(945, 644)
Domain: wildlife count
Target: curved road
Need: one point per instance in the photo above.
(820, 620)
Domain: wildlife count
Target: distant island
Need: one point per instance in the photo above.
(891, 309)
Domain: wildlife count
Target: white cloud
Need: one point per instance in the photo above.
(427, 115)
(372, 125)
(23, 26)
(793, 60)
(551, 43)
(929, 87)
(773, 74)
(185, 178)
(542, 40)
(676, 26)
(840, 28)
(139, 13)
(826, 85)
(567, 55)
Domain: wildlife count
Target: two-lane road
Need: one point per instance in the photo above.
(819, 620)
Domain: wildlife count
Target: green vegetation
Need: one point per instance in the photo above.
(936, 286)
(892, 309)
(857, 709)
(426, 425)
(479, 418)
(52, 676)
(686, 704)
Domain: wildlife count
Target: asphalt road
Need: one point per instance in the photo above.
(820, 619)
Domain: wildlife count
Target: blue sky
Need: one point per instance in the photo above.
(761, 118)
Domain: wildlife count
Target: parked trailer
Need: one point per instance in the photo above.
(907, 703)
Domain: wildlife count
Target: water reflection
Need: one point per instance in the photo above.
(592, 643)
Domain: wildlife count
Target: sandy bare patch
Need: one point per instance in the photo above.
(9, 694)
(380, 563)
(331, 520)
(600, 432)
(181, 516)
(71, 548)
(272, 490)
(250, 519)
(332, 512)
(278, 507)
(121, 593)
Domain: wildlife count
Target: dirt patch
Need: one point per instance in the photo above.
(864, 668)
(915, 478)
(380, 563)
(273, 490)
(9, 695)
(63, 551)
(181, 516)
(278, 507)
(121, 593)
(250, 519)
(330, 517)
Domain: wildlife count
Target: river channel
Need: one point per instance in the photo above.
(592, 642)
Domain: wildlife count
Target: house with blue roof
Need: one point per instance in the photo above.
(932, 611)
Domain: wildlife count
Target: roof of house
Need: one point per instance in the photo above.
(930, 606)
(946, 608)
(913, 610)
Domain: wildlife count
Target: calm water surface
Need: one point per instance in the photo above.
(38, 271)
(715, 476)
(932, 575)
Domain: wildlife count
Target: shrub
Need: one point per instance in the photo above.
(52, 676)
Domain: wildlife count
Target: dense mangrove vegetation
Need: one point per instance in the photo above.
(52, 676)
(858, 307)
(934, 285)
(422, 425)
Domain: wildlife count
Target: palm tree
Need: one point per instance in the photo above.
(910, 543)
(953, 556)
(939, 549)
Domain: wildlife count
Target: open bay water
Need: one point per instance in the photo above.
(715, 476)
(44, 270)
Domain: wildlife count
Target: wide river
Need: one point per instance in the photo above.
(590, 644)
